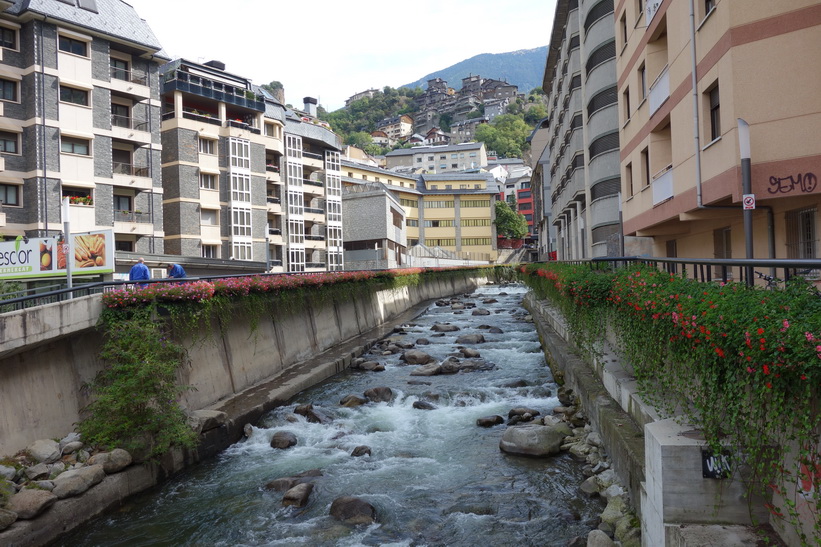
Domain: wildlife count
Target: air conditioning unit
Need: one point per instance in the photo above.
(157, 273)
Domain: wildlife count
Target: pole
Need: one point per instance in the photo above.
(746, 188)
(67, 251)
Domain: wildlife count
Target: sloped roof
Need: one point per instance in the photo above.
(113, 18)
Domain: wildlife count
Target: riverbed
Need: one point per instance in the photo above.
(434, 476)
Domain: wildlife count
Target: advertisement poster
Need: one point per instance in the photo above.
(91, 253)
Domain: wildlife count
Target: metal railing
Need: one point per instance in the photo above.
(132, 216)
(722, 270)
(128, 122)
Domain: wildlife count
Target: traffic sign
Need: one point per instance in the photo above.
(749, 201)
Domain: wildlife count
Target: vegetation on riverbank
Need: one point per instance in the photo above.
(741, 364)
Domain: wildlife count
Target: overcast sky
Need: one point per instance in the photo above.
(329, 49)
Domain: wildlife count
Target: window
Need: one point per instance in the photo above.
(715, 113)
(476, 203)
(645, 167)
(525, 194)
(123, 245)
(241, 222)
(525, 206)
(438, 204)
(9, 194)
(643, 81)
(475, 241)
(122, 203)
(412, 223)
(454, 165)
(70, 45)
(626, 101)
(628, 179)
(709, 5)
(119, 69)
(471, 222)
(8, 142)
(241, 250)
(8, 38)
(208, 181)
(671, 248)
(418, 160)
(78, 196)
(8, 90)
(120, 115)
(240, 187)
(240, 153)
(801, 240)
(209, 217)
(623, 25)
(73, 95)
(210, 251)
(408, 202)
(438, 223)
(207, 146)
(73, 145)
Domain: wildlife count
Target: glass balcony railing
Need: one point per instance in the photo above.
(128, 122)
(311, 237)
(663, 185)
(129, 169)
(179, 80)
(129, 76)
(659, 91)
(132, 216)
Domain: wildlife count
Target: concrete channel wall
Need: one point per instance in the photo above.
(48, 353)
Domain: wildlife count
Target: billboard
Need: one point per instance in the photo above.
(91, 253)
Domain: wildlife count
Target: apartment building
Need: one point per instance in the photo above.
(452, 211)
(580, 160)
(80, 119)
(439, 159)
(687, 71)
(381, 242)
(244, 178)
(396, 128)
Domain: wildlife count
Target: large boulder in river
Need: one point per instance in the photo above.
(379, 394)
(353, 510)
(416, 357)
(489, 421)
(286, 483)
(283, 439)
(534, 440)
(444, 327)
(351, 401)
(311, 414)
(298, 495)
(471, 339)
(362, 450)
(45, 451)
(431, 369)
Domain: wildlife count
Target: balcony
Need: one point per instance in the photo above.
(130, 170)
(311, 237)
(272, 168)
(663, 185)
(179, 80)
(274, 231)
(273, 199)
(132, 216)
(129, 76)
(238, 124)
(315, 265)
(660, 90)
(128, 122)
(315, 210)
(312, 182)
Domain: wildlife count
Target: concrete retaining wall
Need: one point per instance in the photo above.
(47, 354)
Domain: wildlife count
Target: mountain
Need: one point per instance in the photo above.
(523, 68)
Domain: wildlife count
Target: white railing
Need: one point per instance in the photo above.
(660, 90)
(663, 185)
(650, 10)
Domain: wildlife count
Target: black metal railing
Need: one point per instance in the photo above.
(311, 237)
(723, 270)
(128, 122)
(132, 216)
(129, 76)
(273, 199)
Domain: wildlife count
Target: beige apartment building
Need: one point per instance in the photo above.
(684, 79)
(454, 211)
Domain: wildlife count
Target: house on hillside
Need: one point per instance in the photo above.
(439, 159)
(396, 127)
(367, 94)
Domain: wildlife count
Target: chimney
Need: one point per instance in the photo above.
(219, 65)
(310, 106)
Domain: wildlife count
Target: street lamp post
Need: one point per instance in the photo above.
(746, 190)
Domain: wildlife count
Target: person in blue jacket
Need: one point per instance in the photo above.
(175, 271)
(139, 272)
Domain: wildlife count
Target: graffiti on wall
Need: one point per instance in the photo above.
(804, 183)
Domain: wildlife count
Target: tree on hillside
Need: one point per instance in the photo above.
(276, 89)
(535, 113)
(360, 139)
(506, 134)
(508, 222)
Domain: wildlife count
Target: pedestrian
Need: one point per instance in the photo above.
(175, 271)
(139, 272)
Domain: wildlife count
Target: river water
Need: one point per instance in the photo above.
(434, 477)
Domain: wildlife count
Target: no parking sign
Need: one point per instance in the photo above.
(749, 201)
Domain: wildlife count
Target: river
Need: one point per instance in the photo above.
(434, 476)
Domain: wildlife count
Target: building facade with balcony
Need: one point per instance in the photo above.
(80, 119)
(453, 211)
(684, 79)
(580, 161)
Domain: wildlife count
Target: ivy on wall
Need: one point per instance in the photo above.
(741, 364)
